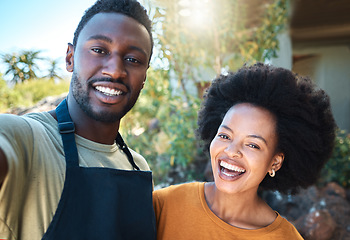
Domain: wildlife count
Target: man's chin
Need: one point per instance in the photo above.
(105, 117)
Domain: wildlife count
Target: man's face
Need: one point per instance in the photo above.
(109, 65)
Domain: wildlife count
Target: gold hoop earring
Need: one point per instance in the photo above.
(273, 173)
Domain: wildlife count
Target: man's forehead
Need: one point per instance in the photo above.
(111, 22)
(115, 25)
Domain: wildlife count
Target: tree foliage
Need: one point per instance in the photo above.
(337, 169)
(53, 69)
(200, 39)
(159, 125)
(24, 66)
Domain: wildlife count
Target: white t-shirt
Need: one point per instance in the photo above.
(32, 188)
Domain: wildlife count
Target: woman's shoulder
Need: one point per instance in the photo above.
(285, 228)
(179, 190)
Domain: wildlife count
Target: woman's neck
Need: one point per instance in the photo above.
(244, 210)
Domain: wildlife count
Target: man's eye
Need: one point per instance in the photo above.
(99, 51)
(133, 60)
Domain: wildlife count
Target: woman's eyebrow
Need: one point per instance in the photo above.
(250, 135)
(258, 137)
(226, 127)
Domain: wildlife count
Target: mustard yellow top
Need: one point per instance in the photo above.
(183, 214)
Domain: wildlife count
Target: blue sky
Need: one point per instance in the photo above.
(39, 25)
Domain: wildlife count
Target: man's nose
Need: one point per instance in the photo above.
(114, 67)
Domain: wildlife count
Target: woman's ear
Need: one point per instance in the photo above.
(277, 161)
(70, 58)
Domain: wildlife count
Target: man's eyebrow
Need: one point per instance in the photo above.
(138, 49)
(109, 40)
(101, 37)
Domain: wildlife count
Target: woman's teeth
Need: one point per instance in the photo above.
(231, 167)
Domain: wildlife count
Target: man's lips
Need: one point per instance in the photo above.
(109, 91)
(110, 88)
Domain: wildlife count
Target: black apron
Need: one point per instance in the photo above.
(101, 203)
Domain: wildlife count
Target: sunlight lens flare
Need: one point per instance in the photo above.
(196, 12)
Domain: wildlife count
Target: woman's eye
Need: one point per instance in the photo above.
(223, 136)
(253, 146)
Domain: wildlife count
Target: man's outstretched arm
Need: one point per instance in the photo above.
(3, 166)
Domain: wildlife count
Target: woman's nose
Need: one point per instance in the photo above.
(233, 150)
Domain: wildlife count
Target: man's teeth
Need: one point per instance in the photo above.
(231, 167)
(109, 91)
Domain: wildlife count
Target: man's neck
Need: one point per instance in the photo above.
(86, 127)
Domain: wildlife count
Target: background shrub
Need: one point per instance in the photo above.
(337, 169)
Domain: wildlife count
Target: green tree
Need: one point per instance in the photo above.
(337, 169)
(53, 69)
(22, 66)
(12, 62)
(29, 60)
(200, 38)
(160, 127)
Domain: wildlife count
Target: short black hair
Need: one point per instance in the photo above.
(130, 8)
(304, 122)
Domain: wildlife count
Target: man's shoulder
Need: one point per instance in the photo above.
(41, 119)
(12, 122)
(10, 117)
(19, 119)
(38, 116)
(140, 160)
(26, 125)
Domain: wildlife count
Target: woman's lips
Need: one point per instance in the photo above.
(229, 171)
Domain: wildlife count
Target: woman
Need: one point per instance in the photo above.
(265, 128)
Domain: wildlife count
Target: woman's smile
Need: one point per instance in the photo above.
(230, 172)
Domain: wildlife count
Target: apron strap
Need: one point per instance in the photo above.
(67, 129)
(125, 149)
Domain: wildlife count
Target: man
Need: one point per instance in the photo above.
(67, 174)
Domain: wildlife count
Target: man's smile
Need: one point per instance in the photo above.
(109, 91)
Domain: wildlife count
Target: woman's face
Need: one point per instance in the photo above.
(244, 149)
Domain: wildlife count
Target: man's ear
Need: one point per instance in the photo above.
(144, 81)
(70, 58)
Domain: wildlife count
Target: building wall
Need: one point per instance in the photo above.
(329, 67)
